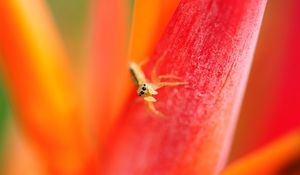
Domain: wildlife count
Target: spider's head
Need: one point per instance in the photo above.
(143, 89)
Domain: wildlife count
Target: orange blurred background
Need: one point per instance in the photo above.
(271, 106)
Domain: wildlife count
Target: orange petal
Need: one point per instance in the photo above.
(107, 74)
(150, 19)
(40, 82)
(20, 155)
(270, 159)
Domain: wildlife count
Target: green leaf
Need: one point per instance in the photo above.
(4, 108)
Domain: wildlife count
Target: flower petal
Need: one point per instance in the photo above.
(107, 75)
(271, 102)
(21, 157)
(150, 18)
(271, 159)
(41, 84)
(209, 44)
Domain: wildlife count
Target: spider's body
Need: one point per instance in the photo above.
(148, 89)
(145, 89)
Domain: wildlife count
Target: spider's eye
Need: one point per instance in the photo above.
(144, 85)
(144, 88)
(141, 92)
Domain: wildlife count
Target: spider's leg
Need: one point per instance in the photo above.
(154, 110)
(162, 84)
(152, 91)
(150, 99)
(154, 77)
(169, 76)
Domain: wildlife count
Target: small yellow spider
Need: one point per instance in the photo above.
(148, 89)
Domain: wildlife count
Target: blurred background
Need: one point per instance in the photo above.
(271, 106)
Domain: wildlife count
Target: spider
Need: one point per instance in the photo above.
(147, 89)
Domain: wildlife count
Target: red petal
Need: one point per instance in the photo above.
(272, 101)
(210, 45)
(286, 106)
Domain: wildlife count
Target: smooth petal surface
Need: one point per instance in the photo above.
(286, 106)
(106, 74)
(150, 18)
(20, 156)
(41, 85)
(271, 159)
(270, 109)
(210, 45)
